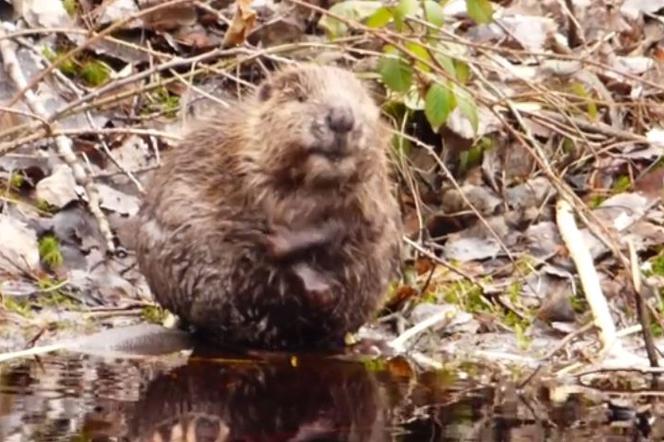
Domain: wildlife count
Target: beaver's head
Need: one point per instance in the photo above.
(316, 126)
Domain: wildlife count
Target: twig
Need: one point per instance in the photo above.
(567, 339)
(442, 262)
(34, 351)
(641, 310)
(399, 343)
(580, 254)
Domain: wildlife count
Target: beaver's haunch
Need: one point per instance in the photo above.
(273, 224)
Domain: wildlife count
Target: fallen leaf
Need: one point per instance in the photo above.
(115, 10)
(117, 201)
(47, 14)
(58, 189)
(470, 249)
(20, 250)
(656, 136)
(529, 194)
(242, 24)
(168, 18)
(532, 32)
(634, 8)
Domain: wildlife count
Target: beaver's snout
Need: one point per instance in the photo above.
(334, 133)
(340, 119)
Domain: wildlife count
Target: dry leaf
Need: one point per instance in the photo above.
(243, 22)
(19, 246)
(59, 189)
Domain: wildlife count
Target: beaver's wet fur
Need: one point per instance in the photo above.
(274, 224)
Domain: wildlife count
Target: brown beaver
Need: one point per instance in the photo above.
(274, 224)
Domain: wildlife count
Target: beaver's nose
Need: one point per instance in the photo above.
(340, 119)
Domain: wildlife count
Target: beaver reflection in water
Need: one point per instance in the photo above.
(274, 225)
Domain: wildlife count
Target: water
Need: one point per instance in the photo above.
(72, 397)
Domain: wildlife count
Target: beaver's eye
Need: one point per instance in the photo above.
(301, 97)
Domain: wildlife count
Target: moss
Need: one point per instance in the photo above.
(621, 184)
(162, 101)
(153, 314)
(49, 251)
(657, 265)
(169, 103)
(45, 206)
(374, 364)
(513, 291)
(20, 308)
(16, 181)
(71, 6)
(55, 294)
(467, 295)
(596, 201)
(579, 303)
(95, 73)
(69, 67)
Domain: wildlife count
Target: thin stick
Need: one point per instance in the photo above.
(580, 254)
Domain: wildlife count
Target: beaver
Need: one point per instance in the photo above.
(274, 224)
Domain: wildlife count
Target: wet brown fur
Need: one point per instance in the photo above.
(256, 241)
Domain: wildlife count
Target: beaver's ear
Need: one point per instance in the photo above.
(284, 81)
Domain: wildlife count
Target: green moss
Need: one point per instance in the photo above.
(95, 73)
(49, 250)
(596, 201)
(71, 6)
(579, 303)
(374, 364)
(54, 294)
(20, 308)
(467, 295)
(68, 66)
(622, 184)
(657, 265)
(513, 291)
(16, 181)
(164, 102)
(153, 314)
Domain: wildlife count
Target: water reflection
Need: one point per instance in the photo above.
(276, 398)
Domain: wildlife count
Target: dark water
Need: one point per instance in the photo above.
(84, 398)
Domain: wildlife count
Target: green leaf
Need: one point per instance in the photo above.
(468, 108)
(462, 71)
(396, 74)
(480, 11)
(439, 102)
(356, 10)
(380, 18)
(434, 13)
(447, 63)
(405, 8)
(421, 53)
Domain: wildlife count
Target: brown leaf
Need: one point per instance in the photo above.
(168, 18)
(243, 22)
